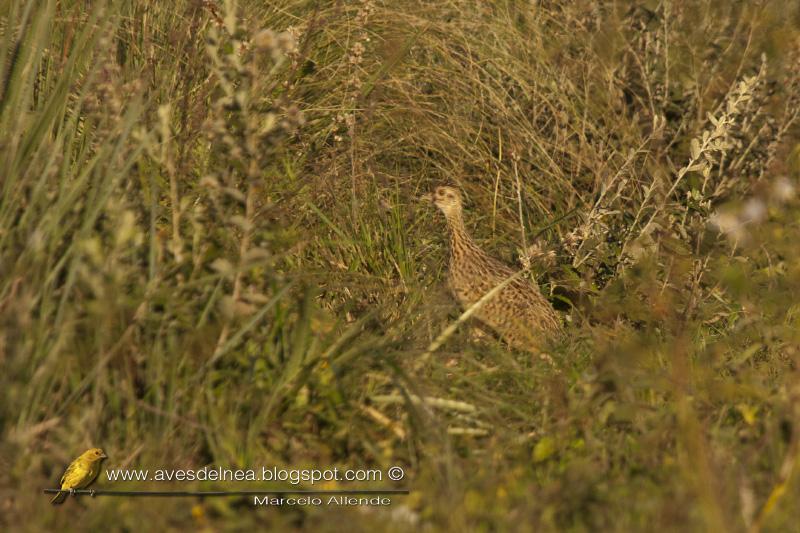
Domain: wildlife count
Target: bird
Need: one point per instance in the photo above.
(518, 313)
(80, 473)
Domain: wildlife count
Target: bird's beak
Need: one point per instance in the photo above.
(426, 197)
(103, 456)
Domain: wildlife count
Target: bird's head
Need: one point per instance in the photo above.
(94, 454)
(448, 200)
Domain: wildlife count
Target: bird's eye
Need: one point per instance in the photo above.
(450, 195)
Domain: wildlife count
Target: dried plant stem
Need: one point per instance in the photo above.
(441, 403)
(176, 246)
(519, 208)
(779, 490)
(578, 260)
(693, 161)
(244, 246)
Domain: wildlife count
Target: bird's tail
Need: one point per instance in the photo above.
(59, 497)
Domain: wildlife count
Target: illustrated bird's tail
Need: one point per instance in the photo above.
(59, 497)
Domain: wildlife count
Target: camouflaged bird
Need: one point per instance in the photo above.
(518, 312)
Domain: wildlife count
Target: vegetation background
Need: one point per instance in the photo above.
(212, 251)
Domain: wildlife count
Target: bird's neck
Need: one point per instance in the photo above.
(461, 244)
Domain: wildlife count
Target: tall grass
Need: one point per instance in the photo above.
(212, 251)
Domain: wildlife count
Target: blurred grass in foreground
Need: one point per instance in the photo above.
(212, 252)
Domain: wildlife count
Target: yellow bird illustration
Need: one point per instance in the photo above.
(80, 473)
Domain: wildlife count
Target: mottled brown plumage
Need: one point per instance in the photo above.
(518, 312)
